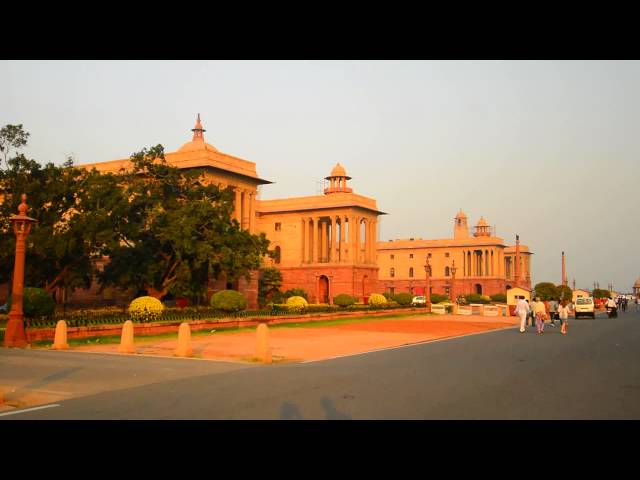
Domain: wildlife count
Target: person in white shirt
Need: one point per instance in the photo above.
(563, 313)
(522, 310)
(611, 304)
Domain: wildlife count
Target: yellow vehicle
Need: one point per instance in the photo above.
(584, 307)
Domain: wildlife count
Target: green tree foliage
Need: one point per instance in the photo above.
(437, 298)
(175, 232)
(36, 302)
(546, 291)
(229, 301)
(477, 298)
(343, 300)
(269, 285)
(403, 298)
(69, 206)
(12, 138)
(564, 292)
(601, 293)
(499, 298)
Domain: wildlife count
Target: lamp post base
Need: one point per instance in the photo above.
(14, 335)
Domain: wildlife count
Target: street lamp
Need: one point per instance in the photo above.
(427, 293)
(453, 282)
(14, 335)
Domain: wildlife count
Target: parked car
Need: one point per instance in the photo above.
(4, 308)
(584, 307)
(419, 300)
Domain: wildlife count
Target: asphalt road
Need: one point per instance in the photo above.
(593, 372)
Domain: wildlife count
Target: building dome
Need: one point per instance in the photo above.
(637, 284)
(338, 171)
(482, 222)
(461, 214)
(197, 143)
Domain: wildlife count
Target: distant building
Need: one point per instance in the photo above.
(485, 264)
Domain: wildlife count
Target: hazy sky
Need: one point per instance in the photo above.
(548, 150)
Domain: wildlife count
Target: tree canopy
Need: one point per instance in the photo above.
(546, 291)
(175, 231)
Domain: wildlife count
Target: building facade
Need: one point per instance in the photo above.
(483, 262)
(327, 244)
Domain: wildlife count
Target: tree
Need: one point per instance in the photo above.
(564, 292)
(546, 291)
(269, 284)
(175, 232)
(12, 137)
(600, 293)
(64, 242)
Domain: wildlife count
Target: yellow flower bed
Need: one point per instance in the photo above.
(296, 304)
(377, 300)
(145, 309)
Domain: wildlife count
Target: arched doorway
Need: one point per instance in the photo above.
(364, 285)
(323, 289)
(478, 289)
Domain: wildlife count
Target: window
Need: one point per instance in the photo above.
(278, 226)
(411, 255)
(392, 272)
(429, 255)
(446, 271)
(411, 272)
(446, 255)
(392, 257)
(392, 290)
(277, 256)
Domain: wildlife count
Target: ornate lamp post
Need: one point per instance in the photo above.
(427, 287)
(453, 283)
(14, 335)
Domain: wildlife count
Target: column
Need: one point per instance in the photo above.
(332, 253)
(352, 239)
(245, 209)
(237, 214)
(318, 233)
(252, 211)
(314, 240)
(367, 241)
(303, 248)
(325, 241)
(343, 223)
(374, 239)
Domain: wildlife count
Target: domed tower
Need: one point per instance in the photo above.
(482, 228)
(197, 142)
(636, 288)
(338, 181)
(460, 228)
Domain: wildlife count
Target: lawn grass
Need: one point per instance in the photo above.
(111, 339)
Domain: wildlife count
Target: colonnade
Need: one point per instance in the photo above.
(338, 239)
(245, 208)
(481, 262)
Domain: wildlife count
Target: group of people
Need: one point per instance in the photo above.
(537, 311)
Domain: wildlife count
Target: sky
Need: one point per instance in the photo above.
(548, 150)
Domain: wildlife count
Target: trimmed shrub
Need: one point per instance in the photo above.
(343, 300)
(403, 298)
(476, 298)
(437, 298)
(36, 302)
(499, 298)
(387, 295)
(377, 300)
(145, 309)
(229, 301)
(297, 304)
(295, 292)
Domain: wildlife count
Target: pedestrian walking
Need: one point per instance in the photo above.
(530, 313)
(563, 314)
(522, 310)
(553, 311)
(541, 313)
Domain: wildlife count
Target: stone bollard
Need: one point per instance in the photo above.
(184, 341)
(482, 310)
(126, 340)
(60, 339)
(263, 351)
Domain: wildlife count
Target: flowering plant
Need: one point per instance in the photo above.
(296, 304)
(145, 309)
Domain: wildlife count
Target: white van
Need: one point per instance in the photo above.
(584, 307)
